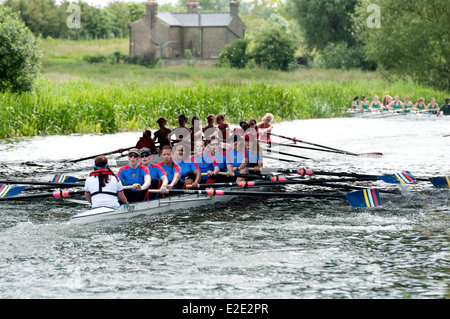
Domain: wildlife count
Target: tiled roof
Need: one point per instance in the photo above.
(192, 19)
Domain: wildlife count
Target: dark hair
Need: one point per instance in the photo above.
(101, 162)
(147, 133)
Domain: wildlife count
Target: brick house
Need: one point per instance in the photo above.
(168, 35)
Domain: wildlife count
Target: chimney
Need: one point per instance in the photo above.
(151, 6)
(192, 6)
(234, 8)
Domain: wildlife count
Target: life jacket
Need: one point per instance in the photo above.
(100, 172)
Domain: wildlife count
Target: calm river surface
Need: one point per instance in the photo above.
(272, 248)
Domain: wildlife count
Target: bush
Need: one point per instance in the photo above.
(19, 53)
(340, 56)
(235, 54)
(274, 50)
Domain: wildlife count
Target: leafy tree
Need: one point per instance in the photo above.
(19, 53)
(413, 38)
(235, 54)
(274, 49)
(324, 21)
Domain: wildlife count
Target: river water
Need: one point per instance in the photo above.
(248, 248)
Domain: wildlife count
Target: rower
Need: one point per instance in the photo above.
(206, 163)
(147, 141)
(158, 176)
(162, 135)
(102, 187)
(253, 153)
(189, 171)
(136, 175)
(223, 127)
(237, 159)
(171, 169)
(265, 128)
(222, 158)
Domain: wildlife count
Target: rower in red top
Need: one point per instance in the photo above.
(136, 175)
(206, 162)
(265, 128)
(147, 141)
(223, 127)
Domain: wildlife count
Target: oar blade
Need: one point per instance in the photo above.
(364, 198)
(440, 182)
(398, 178)
(58, 178)
(8, 191)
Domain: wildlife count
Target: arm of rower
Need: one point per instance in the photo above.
(176, 178)
(122, 197)
(165, 181)
(147, 182)
(88, 197)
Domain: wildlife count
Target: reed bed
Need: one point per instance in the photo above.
(92, 106)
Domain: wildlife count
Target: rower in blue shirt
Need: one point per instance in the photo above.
(206, 163)
(189, 171)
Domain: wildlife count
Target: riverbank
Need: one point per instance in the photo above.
(73, 96)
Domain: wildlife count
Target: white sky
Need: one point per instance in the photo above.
(102, 3)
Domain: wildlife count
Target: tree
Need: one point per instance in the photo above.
(274, 49)
(19, 53)
(412, 38)
(324, 21)
(235, 53)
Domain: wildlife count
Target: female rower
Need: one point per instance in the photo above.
(433, 107)
(355, 103)
(420, 105)
(147, 141)
(407, 106)
(238, 159)
(163, 134)
(221, 157)
(205, 162)
(136, 175)
(253, 153)
(158, 176)
(196, 132)
(243, 126)
(171, 169)
(375, 104)
(223, 127)
(396, 104)
(364, 103)
(253, 129)
(189, 171)
(387, 99)
(102, 187)
(265, 128)
(209, 130)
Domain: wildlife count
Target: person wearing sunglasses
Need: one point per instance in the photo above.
(136, 175)
(158, 176)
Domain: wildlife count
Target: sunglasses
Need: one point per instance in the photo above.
(133, 155)
(145, 155)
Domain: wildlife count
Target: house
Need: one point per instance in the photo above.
(167, 35)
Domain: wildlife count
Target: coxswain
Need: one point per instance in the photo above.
(147, 141)
(102, 188)
(136, 175)
(189, 171)
(206, 163)
(171, 169)
(158, 176)
(162, 136)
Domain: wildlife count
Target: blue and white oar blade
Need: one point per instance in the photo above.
(64, 179)
(364, 198)
(8, 191)
(440, 182)
(398, 178)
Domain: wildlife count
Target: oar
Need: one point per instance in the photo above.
(8, 191)
(58, 180)
(361, 198)
(440, 182)
(404, 177)
(61, 193)
(327, 147)
(120, 150)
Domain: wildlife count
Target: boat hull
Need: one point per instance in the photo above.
(152, 207)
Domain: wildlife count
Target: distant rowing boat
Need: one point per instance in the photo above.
(413, 115)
